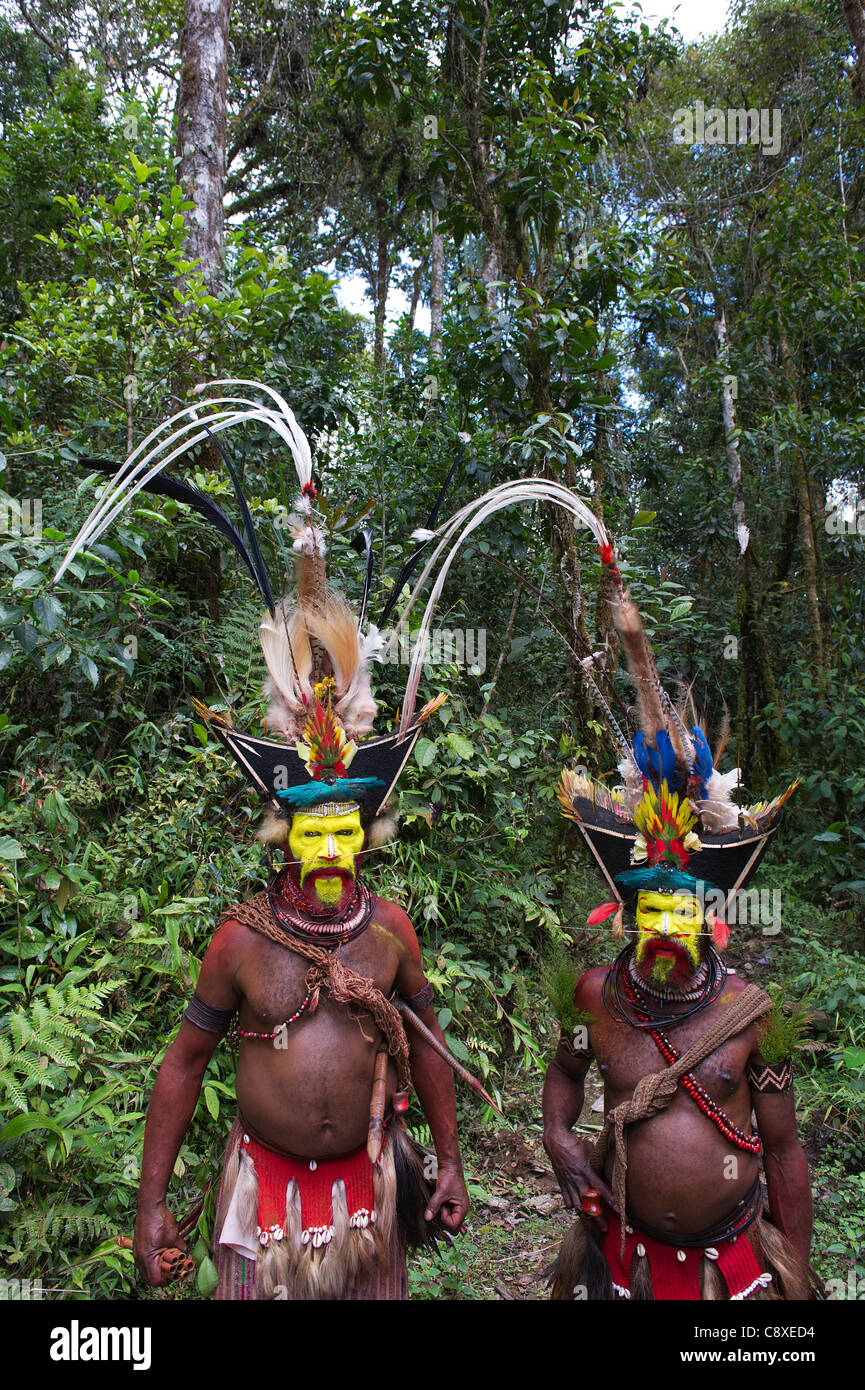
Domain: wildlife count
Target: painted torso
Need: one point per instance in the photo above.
(311, 1095)
(683, 1174)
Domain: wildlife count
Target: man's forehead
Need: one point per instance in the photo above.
(329, 820)
(666, 901)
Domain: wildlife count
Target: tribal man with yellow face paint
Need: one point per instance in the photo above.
(668, 948)
(325, 845)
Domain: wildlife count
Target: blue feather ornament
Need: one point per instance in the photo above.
(313, 793)
(703, 765)
(657, 764)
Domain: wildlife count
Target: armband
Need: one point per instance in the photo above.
(771, 1078)
(577, 1045)
(420, 1002)
(204, 1016)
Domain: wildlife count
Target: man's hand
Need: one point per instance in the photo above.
(450, 1200)
(159, 1249)
(570, 1159)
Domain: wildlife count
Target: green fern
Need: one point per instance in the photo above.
(558, 979)
(235, 653)
(54, 1030)
(63, 1222)
(782, 1030)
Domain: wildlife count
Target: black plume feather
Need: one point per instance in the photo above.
(362, 543)
(410, 565)
(263, 581)
(164, 485)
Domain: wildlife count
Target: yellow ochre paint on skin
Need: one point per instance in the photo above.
(326, 843)
(676, 916)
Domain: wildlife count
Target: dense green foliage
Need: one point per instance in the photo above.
(588, 261)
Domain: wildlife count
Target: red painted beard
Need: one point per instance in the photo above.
(308, 888)
(681, 973)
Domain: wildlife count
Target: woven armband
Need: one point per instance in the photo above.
(420, 1002)
(204, 1016)
(771, 1078)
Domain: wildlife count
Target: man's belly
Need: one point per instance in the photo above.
(311, 1097)
(683, 1175)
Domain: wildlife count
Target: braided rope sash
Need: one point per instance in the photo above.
(653, 1093)
(327, 972)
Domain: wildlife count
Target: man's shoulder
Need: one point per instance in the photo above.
(734, 985)
(589, 988)
(233, 931)
(388, 913)
(394, 920)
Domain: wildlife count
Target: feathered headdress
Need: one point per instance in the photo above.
(321, 705)
(672, 824)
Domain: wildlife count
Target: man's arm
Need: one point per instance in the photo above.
(433, 1081)
(172, 1105)
(784, 1160)
(564, 1093)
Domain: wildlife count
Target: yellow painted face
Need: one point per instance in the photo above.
(668, 936)
(325, 848)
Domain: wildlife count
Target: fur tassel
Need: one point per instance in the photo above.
(580, 1266)
(791, 1279)
(380, 831)
(287, 640)
(640, 1278)
(274, 829)
(413, 1188)
(712, 1286)
(652, 703)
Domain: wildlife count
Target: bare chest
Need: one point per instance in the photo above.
(625, 1055)
(272, 979)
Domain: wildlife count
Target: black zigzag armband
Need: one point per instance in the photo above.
(577, 1044)
(204, 1016)
(771, 1077)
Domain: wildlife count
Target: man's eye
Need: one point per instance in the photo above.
(345, 832)
(311, 834)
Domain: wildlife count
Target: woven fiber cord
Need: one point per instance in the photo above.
(327, 972)
(653, 1093)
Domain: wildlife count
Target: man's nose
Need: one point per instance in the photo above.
(332, 852)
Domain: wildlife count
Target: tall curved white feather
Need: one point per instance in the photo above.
(461, 525)
(157, 450)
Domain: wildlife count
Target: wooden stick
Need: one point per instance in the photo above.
(411, 1017)
(376, 1105)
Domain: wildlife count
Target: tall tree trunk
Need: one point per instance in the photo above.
(807, 533)
(756, 684)
(854, 13)
(600, 457)
(382, 266)
(436, 289)
(201, 112)
(201, 136)
(490, 275)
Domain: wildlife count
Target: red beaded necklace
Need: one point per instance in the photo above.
(748, 1143)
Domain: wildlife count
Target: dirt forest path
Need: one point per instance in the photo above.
(517, 1218)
